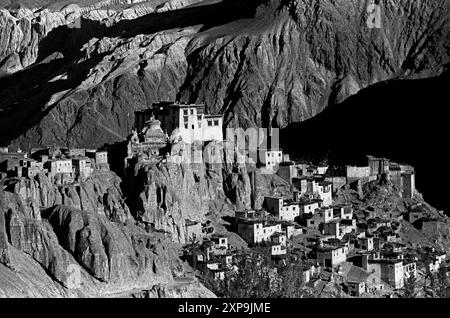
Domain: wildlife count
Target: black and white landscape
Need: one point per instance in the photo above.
(118, 176)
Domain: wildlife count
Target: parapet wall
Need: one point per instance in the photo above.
(357, 172)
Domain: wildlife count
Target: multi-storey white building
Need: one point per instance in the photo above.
(309, 207)
(390, 271)
(324, 189)
(183, 121)
(82, 167)
(273, 158)
(60, 166)
(284, 210)
(321, 216)
(332, 255)
(257, 231)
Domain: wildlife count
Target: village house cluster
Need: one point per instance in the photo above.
(361, 245)
(210, 252)
(61, 165)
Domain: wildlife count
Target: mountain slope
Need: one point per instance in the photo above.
(259, 62)
(404, 120)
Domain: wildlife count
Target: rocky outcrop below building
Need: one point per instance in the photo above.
(165, 194)
(87, 227)
(80, 240)
(260, 63)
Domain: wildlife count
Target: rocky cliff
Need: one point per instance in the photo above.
(80, 240)
(74, 76)
(100, 193)
(90, 226)
(164, 195)
(258, 62)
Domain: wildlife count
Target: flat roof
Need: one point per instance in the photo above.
(59, 159)
(178, 104)
(290, 203)
(386, 261)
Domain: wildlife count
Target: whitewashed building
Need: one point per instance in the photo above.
(273, 158)
(285, 210)
(187, 122)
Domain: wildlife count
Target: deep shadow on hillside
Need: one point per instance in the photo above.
(24, 94)
(405, 120)
(70, 41)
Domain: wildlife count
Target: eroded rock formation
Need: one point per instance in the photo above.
(166, 194)
(106, 257)
(259, 62)
(100, 193)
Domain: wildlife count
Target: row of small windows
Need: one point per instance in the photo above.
(186, 118)
(186, 111)
(66, 164)
(186, 126)
(213, 122)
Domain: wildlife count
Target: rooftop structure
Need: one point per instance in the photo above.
(149, 141)
(187, 122)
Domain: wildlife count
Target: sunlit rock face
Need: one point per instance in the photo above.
(74, 75)
(165, 195)
(101, 194)
(260, 63)
(108, 258)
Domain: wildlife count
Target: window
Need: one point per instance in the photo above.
(192, 112)
(199, 117)
(186, 119)
(279, 154)
(210, 122)
(193, 126)
(216, 122)
(185, 112)
(185, 126)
